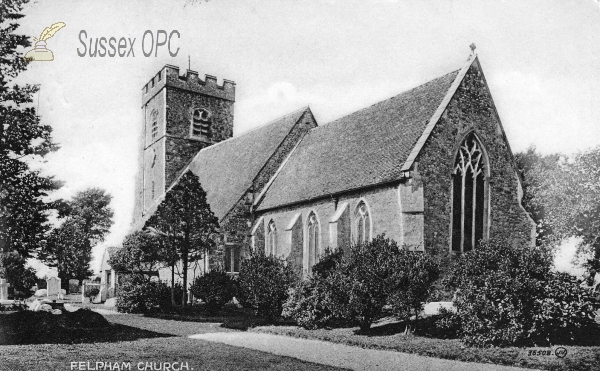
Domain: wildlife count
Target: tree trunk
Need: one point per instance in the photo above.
(184, 256)
(173, 283)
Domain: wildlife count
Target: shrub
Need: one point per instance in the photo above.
(507, 295)
(415, 274)
(215, 288)
(566, 311)
(264, 282)
(367, 276)
(497, 289)
(137, 294)
(358, 285)
(91, 292)
(313, 301)
(448, 323)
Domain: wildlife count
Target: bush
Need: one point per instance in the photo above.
(357, 286)
(507, 295)
(448, 323)
(415, 274)
(367, 277)
(91, 292)
(566, 312)
(264, 282)
(313, 301)
(215, 288)
(137, 294)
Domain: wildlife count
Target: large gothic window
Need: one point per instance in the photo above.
(363, 223)
(312, 240)
(271, 238)
(469, 195)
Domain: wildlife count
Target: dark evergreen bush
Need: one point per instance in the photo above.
(507, 295)
(264, 282)
(137, 294)
(356, 286)
(215, 288)
(566, 312)
(412, 283)
(315, 302)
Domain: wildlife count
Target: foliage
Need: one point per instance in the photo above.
(264, 283)
(141, 253)
(86, 219)
(23, 213)
(310, 303)
(566, 310)
(357, 285)
(448, 322)
(367, 276)
(185, 219)
(563, 195)
(91, 292)
(215, 288)
(415, 274)
(21, 278)
(508, 295)
(139, 295)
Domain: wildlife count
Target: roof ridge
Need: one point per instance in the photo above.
(254, 129)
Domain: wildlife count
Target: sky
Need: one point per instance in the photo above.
(541, 60)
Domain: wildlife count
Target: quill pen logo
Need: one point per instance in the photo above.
(40, 52)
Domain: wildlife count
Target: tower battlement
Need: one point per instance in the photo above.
(169, 76)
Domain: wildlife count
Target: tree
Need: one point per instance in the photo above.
(563, 196)
(142, 253)
(86, 219)
(23, 213)
(185, 218)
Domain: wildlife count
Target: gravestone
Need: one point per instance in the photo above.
(53, 286)
(73, 286)
(4, 289)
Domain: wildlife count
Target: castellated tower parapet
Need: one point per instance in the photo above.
(181, 116)
(169, 76)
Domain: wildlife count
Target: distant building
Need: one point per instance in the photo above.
(431, 168)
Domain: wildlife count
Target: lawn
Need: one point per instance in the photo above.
(389, 335)
(134, 339)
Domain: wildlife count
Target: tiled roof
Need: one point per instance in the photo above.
(227, 169)
(365, 148)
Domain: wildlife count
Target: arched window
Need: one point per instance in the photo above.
(201, 123)
(469, 195)
(363, 223)
(271, 238)
(313, 240)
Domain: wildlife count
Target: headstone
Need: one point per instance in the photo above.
(73, 286)
(4, 289)
(53, 286)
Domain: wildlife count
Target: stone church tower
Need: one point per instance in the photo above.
(181, 116)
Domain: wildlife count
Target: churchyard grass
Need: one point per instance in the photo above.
(135, 338)
(389, 334)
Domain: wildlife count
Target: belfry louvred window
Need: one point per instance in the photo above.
(469, 195)
(201, 123)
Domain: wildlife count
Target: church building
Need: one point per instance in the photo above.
(431, 168)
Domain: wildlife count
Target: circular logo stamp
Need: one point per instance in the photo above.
(560, 352)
